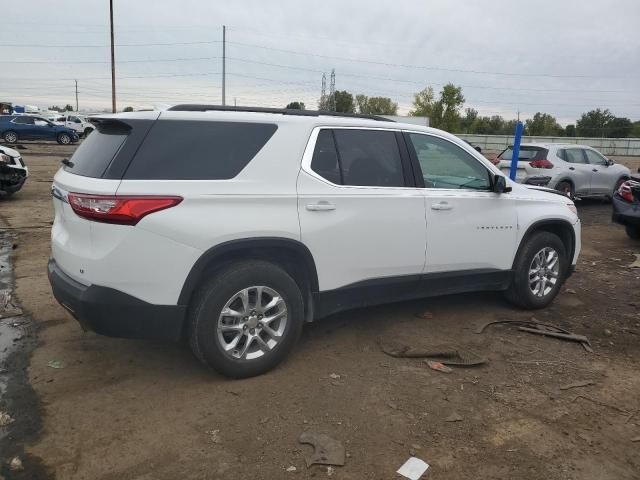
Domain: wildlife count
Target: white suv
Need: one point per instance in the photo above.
(232, 227)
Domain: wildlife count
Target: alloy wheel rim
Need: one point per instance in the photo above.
(544, 272)
(65, 139)
(252, 323)
(11, 137)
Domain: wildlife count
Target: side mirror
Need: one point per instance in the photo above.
(609, 162)
(500, 184)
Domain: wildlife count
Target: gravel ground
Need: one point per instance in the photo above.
(122, 409)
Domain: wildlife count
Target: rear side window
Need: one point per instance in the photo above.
(198, 150)
(96, 152)
(526, 154)
(574, 155)
(325, 158)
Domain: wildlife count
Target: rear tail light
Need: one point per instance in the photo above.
(123, 210)
(625, 191)
(544, 163)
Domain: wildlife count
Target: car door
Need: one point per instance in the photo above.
(43, 129)
(360, 214)
(23, 126)
(469, 227)
(580, 172)
(603, 179)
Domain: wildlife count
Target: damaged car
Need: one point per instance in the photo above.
(13, 171)
(626, 206)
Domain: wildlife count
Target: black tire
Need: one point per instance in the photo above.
(210, 299)
(519, 292)
(567, 188)
(10, 136)
(64, 139)
(87, 131)
(633, 232)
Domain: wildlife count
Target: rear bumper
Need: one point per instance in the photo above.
(113, 313)
(625, 213)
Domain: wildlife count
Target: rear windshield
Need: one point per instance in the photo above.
(198, 150)
(96, 152)
(526, 154)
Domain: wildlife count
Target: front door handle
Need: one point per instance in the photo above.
(441, 206)
(571, 168)
(594, 170)
(321, 207)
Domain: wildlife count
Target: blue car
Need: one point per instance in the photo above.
(27, 127)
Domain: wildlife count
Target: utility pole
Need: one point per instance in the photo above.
(332, 91)
(224, 64)
(113, 62)
(76, 96)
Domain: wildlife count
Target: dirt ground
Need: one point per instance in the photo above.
(123, 409)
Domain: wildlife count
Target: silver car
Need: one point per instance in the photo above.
(577, 170)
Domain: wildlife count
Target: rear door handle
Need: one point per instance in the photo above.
(571, 168)
(441, 206)
(321, 207)
(594, 170)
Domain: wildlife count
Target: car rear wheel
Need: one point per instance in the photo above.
(10, 136)
(633, 232)
(246, 319)
(64, 139)
(566, 188)
(539, 271)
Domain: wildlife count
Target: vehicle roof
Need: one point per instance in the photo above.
(552, 144)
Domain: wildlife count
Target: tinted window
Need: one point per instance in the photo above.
(325, 158)
(369, 158)
(526, 154)
(24, 120)
(595, 158)
(574, 155)
(445, 165)
(96, 152)
(198, 150)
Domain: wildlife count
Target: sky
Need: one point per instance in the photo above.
(563, 57)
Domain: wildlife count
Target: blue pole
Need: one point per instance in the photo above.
(516, 150)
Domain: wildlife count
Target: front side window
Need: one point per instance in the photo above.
(369, 158)
(574, 155)
(594, 158)
(445, 165)
(23, 120)
(41, 122)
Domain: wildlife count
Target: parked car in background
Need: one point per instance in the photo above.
(29, 127)
(13, 171)
(76, 122)
(273, 218)
(626, 206)
(576, 170)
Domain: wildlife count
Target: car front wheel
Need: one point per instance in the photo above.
(246, 319)
(10, 137)
(64, 139)
(539, 271)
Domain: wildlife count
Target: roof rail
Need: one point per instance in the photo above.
(189, 107)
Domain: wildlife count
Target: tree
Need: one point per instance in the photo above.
(635, 130)
(543, 124)
(128, 109)
(445, 112)
(570, 131)
(344, 102)
(376, 105)
(423, 103)
(594, 123)
(470, 116)
(295, 106)
(68, 108)
(55, 108)
(619, 127)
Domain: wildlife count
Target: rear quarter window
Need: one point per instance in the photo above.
(526, 154)
(96, 152)
(198, 150)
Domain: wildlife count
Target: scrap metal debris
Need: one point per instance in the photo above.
(636, 263)
(438, 366)
(443, 354)
(5, 419)
(326, 450)
(545, 329)
(454, 417)
(413, 468)
(582, 383)
(55, 364)
(15, 464)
